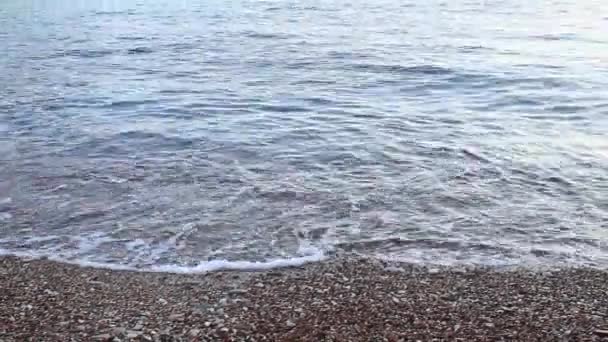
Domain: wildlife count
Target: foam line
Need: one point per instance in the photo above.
(203, 267)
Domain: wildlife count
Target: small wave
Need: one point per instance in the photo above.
(131, 38)
(427, 244)
(540, 66)
(127, 103)
(348, 55)
(568, 109)
(282, 109)
(271, 36)
(139, 50)
(225, 265)
(472, 48)
(475, 155)
(181, 47)
(552, 118)
(400, 69)
(314, 255)
(558, 180)
(109, 13)
(555, 37)
(83, 53)
(302, 65)
(314, 82)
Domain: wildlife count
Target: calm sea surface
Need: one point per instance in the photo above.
(156, 133)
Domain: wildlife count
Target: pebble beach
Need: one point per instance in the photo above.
(342, 299)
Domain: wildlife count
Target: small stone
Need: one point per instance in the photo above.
(396, 300)
(489, 325)
(133, 334)
(50, 292)
(237, 292)
(207, 324)
(162, 301)
(138, 326)
(260, 285)
(118, 331)
(176, 317)
(601, 332)
(102, 337)
(194, 332)
(290, 324)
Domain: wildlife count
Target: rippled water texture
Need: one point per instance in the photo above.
(149, 133)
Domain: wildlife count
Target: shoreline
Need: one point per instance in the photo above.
(340, 299)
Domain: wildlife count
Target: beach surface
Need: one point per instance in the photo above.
(342, 299)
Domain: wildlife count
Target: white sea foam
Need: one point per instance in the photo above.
(217, 265)
(315, 255)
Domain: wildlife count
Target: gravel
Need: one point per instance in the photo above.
(343, 299)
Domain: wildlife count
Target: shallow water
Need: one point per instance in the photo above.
(158, 133)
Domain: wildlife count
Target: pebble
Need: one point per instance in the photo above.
(237, 292)
(133, 334)
(601, 332)
(176, 317)
(102, 337)
(118, 331)
(50, 292)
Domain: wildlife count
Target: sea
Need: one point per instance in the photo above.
(189, 136)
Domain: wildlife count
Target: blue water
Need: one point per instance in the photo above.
(156, 133)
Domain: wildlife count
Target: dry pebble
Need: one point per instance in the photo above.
(343, 299)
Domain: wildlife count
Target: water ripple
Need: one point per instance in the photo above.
(176, 133)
